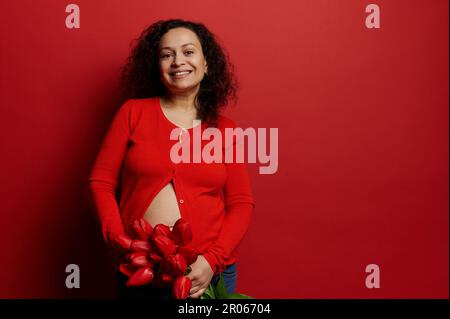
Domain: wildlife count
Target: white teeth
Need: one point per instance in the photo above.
(181, 73)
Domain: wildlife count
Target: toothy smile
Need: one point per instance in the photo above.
(180, 73)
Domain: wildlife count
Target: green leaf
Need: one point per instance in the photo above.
(205, 296)
(209, 293)
(238, 296)
(188, 270)
(221, 289)
(213, 291)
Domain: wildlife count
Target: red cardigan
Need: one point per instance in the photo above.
(215, 198)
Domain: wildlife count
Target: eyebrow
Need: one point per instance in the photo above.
(182, 46)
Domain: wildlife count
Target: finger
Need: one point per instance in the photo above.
(198, 294)
(195, 283)
(194, 290)
(192, 276)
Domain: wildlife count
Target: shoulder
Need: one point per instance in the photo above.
(225, 121)
(135, 108)
(142, 104)
(132, 110)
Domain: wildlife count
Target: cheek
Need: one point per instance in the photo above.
(164, 67)
(164, 75)
(200, 64)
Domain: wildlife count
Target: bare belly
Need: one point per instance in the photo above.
(164, 208)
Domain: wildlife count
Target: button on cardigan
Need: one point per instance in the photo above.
(133, 164)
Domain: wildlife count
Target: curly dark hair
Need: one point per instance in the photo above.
(140, 77)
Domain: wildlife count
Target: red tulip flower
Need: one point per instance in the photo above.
(140, 245)
(189, 254)
(139, 259)
(121, 243)
(127, 269)
(174, 265)
(163, 280)
(143, 276)
(181, 287)
(182, 233)
(164, 245)
(142, 229)
(154, 258)
(162, 230)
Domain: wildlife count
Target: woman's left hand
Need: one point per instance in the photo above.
(200, 275)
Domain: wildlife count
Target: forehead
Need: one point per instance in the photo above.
(177, 37)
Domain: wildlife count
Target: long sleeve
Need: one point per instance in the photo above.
(239, 206)
(105, 174)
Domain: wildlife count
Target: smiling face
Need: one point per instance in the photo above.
(181, 60)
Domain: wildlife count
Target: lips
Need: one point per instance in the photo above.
(180, 71)
(180, 74)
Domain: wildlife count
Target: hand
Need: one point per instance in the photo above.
(200, 275)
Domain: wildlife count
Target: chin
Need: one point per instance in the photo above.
(179, 86)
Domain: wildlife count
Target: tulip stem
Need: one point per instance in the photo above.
(188, 270)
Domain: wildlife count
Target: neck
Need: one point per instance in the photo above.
(184, 102)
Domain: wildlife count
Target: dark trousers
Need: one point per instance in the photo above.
(153, 292)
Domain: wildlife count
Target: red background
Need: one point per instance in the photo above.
(363, 141)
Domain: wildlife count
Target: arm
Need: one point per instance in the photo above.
(105, 174)
(239, 206)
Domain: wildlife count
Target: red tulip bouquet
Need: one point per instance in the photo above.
(163, 257)
(160, 256)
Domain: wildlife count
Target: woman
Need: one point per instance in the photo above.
(177, 73)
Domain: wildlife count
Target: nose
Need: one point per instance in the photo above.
(178, 59)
